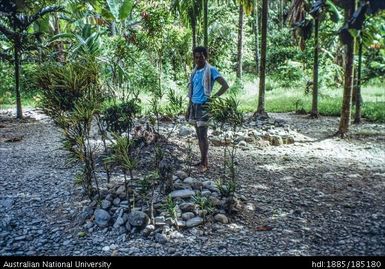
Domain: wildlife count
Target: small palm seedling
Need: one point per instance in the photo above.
(226, 111)
(171, 209)
(204, 204)
(122, 157)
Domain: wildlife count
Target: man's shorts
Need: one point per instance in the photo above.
(199, 115)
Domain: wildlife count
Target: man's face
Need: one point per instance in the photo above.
(199, 59)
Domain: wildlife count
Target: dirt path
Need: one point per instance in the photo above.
(318, 196)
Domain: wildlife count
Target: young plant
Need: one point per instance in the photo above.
(226, 111)
(171, 209)
(123, 158)
(203, 204)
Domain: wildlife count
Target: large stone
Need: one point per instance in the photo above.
(138, 219)
(182, 193)
(102, 218)
(194, 222)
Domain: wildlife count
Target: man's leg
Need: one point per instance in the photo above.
(203, 145)
(197, 130)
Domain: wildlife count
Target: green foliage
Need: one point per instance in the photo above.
(121, 153)
(170, 207)
(120, 9)
(175, 104)
(147, 182)
(63, 85)
(374, 111)
(226, 188)
(203, 203)
(226, 110)
(119, 118)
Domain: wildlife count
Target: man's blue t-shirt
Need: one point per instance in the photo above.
(198, 95)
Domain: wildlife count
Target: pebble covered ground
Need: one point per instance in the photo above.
(320, 195)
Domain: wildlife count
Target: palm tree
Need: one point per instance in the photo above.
(14, 25)
(256, 35)
(262, 68)
(189, 12)
(348, 40)
(245, 6)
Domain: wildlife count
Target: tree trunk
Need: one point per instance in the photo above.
(60, 46)
(348, 84)
(193, 28)
(19, 113)
(314, 110)
(240, 43)
(262, 69)
(256, 33)
(205, 23)
(358, 101)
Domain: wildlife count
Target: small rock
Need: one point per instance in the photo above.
(190, 180)
(181, 174)
(161, 238)
(102, 218)
(116, 201)
(138, 219)
(182, 193)
(188, 215)
(221, 218)
(194, 222)
(206, 193)
(148, 230)
(160, 220)
(106, 248)
(187, 207)
(106, 204)
(242, 143)
(185, 131)
(276, 140)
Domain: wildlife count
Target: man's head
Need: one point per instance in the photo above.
(200, 56)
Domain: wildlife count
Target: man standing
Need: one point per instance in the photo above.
(200, 86)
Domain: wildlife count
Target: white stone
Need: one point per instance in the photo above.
(182, 193)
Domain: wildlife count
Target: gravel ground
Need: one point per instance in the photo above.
(318, 196)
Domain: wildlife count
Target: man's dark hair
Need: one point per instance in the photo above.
(200, 50)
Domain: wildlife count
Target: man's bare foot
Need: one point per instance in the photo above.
(203, 168)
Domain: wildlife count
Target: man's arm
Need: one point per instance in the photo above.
(224, 87)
